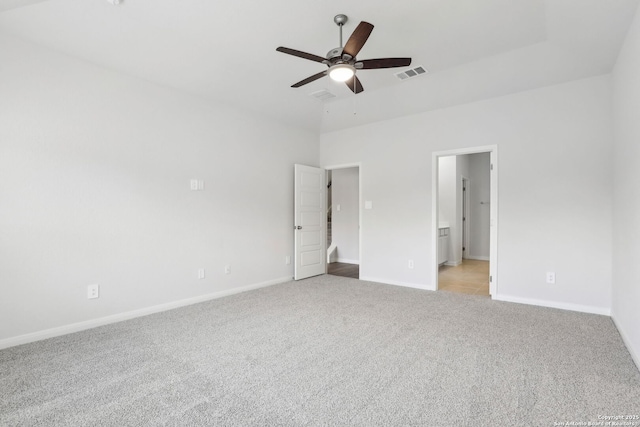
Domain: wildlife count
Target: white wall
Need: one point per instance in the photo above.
(626, 226)
(94, 188)
(345, 222)
(554, 176)
(479, 195)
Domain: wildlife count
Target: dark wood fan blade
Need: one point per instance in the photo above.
(354, 84)
(369, 64)
(357, 39)
(300, 54)
(310, 79)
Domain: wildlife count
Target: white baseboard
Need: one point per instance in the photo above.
(396, 283)
(478, 258)
(348, 261)
(625, 338)
(453, 263)
(554, 304)
(93, 323)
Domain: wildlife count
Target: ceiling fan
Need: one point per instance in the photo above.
(342, 61)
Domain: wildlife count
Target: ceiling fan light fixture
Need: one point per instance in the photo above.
(341, 72)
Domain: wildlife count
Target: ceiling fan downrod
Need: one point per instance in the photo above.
(340, 20)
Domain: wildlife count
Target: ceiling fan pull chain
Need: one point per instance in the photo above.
(354, 97)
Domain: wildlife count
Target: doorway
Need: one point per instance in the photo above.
(465, 220)
(343, 221)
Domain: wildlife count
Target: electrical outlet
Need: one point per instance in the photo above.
(551, 277)
(201, 273)
(227, 269)
(410, 263)
(93, 291)
(287, 260)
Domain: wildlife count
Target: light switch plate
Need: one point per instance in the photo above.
(368, 204)
(196, 184)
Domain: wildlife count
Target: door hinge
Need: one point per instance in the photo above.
(491, 166)
(490, 278)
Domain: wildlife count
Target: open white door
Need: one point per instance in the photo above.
(310, 222)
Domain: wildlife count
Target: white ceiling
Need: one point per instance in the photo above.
(225, 51)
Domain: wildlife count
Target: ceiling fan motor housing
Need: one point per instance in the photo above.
(334, 53)
(335, 57)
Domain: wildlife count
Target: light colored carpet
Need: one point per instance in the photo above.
(327, 351)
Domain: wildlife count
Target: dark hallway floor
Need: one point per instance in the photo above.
(344, 270)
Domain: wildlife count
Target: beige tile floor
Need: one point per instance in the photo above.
(470, 277)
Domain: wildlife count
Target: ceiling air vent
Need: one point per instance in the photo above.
(412, 72)
(322, 95)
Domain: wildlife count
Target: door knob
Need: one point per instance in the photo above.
(298, 227)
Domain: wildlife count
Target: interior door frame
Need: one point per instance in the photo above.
(493, 222)
(466, 216)
(360, 204)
